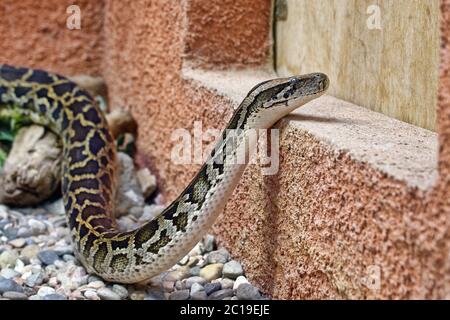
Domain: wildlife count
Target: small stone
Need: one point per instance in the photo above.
(155, 294)
(11, 233)
(136, 212)
(212, 271)
(227, 283)
(192, 261)
(9, 285)
(25, 232)
(199, 295)
(179, 295)
(9, 273)
(239, 280)
(8, 258)
(35, 279)
(48, 257)
(195, 271)
(221, 294)
(196, 287)
(96, 284)
(18, 243)
(30, 251)
(69, 257)
(247, 292)
(34, 297)
(62, 250)
(43, 291)
(232, 269)
(38, 227)
(151, 211)
(91, 295)
(179, 274)
(218, 256)
(180, 285)
(107, 294)
(190, 281)
(147, 181)
(120, 290)
(13, 295)
(54, 296)
(137, 296)
(209, 242)
(56, 207)
(212, 287)
(168, 286)
(183, 261)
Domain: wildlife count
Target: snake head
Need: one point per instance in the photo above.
(273, 99)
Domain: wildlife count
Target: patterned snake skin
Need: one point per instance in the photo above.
(89, 164)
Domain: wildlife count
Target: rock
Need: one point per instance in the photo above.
(18, 243)
(196, 287)
(56, 207)
(30, 251)
(147, 181)
(32, 171)
(179, 295)
(9, 285)
(155, 294)
(120, 290)
(199, 295)
(209, 242)
(129, 192)
(218, 256)
(25, 232)
(10, 233)
(43, 291)
(151, 212)
(120, 122)
(183, 261)
(137, 296)
(178, 274)
(239, 280)
(34, 297)
(91, 295)
(227, 283)
(168, 286)
(212, 287)
(62, 250)
(246, 291)
(35, 279)
(195, 271)
(96, 86)
(69, 257)
(54, 296)
(96, 284)
(37, 227)
(107, 294)
(190, 281)
(9, 273)
(8, 258)
(13, 295)
(136, 212)
(221, 294)
(232, 269)
(48, 257)
(212, 271)
(192, 261)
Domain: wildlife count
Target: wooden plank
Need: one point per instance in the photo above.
(393, 70)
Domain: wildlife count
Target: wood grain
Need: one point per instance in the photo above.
(393, 70)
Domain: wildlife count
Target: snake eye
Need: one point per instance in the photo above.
(286, 95)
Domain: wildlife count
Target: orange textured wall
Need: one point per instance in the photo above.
(34, 34)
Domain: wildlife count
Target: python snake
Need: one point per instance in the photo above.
(89, 164)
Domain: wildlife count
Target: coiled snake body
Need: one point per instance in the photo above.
(88, 177)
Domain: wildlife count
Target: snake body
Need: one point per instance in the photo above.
(89, 164)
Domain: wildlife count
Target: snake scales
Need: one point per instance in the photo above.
(88, 177)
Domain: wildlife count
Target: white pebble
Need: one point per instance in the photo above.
(43, 291)
(239, 280)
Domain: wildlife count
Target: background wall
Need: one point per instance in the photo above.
(300, 234)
